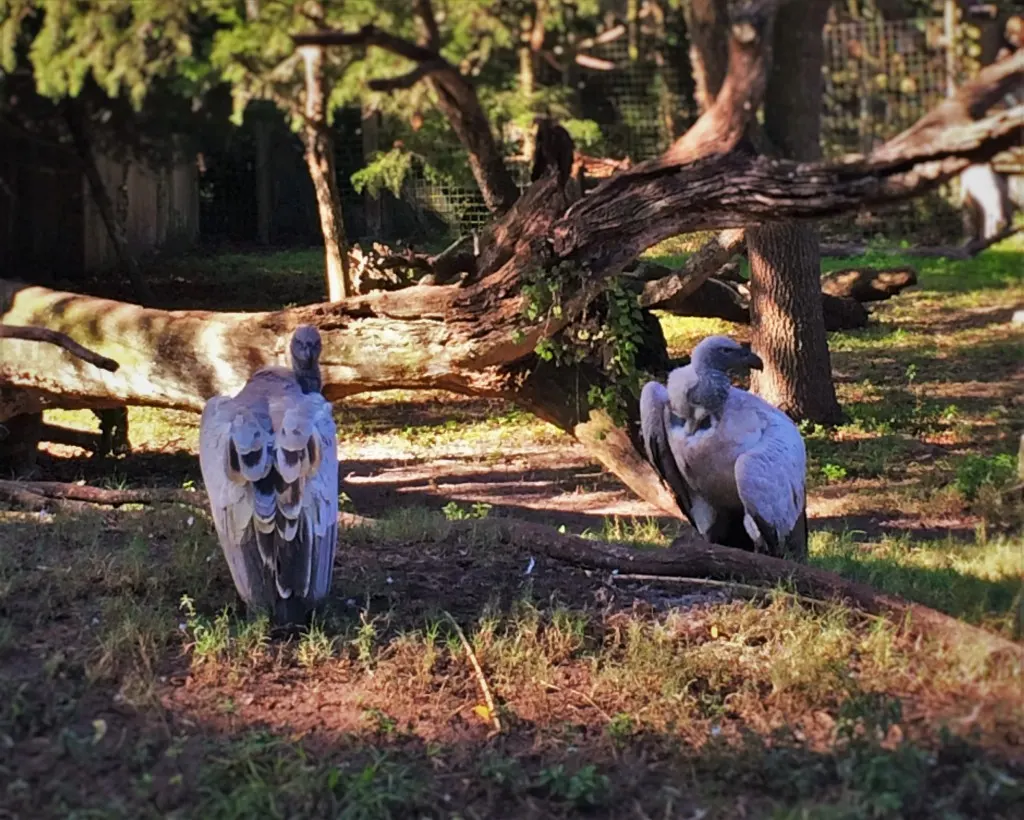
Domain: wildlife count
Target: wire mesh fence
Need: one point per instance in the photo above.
(879, 77)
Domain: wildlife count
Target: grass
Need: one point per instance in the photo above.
(131, 686)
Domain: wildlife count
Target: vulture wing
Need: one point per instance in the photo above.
(269, 462)
(770, 480)
(655, 424)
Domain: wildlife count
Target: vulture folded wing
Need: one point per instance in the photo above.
(770, 479)
(231, 497)
(655, 424)
(321, 500)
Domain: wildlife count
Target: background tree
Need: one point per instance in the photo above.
(785, 263)
(100, 67)
(252, 49)
(787, 320)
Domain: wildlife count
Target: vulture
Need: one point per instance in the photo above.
(736, 464)
(269, 460)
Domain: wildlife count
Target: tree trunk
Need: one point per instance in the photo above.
(785, 266)
(458, 102)
(320, 161)
(75, 119)
(706, 25)
(531, 42)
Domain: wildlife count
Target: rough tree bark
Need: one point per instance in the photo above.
(474, 337)
(319, 153)
(785, 263)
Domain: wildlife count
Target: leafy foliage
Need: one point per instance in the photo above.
(123, 44)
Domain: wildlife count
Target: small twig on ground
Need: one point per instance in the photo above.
(582, 696)
(484, 688)
(44, 334)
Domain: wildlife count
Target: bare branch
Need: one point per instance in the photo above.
(409, 79)
(368, 36)
(595, 63)
(431, 35)
(697, 269)
(43, 334)
(971, 102)
(654, 201)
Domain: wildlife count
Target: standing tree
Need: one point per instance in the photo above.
(785, 263)
(252, 49)
(785, 267)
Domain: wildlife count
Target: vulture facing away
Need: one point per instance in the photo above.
(270, 464)
(736, 464)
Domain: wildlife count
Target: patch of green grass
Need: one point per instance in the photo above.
(453, 511)
(645, 531)
(980, 583)
(259, 774)
(974, 472)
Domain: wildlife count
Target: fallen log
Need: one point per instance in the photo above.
(691, 557)
(718, 299)
(868, 284)
(39, 492)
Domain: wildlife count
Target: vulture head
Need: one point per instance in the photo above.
(698, 393)
(305, 352)
(724, 355)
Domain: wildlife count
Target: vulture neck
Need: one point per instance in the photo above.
(309, 379)
(711, 390)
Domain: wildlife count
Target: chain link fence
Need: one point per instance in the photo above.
(879, 78)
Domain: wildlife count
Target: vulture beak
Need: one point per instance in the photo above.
(753, 361)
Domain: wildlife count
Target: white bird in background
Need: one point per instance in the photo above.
(270, 464)
(736, 464)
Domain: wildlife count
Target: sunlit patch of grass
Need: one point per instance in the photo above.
(682, 333)
(224, 639)
(316, 646)
(981, 583)
(645, 531)
(457, 436)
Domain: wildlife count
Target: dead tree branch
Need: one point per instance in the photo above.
(692, 557)
(53, 337)
(23, 491)
(698, 268)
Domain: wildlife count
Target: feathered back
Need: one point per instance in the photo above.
(269, 461)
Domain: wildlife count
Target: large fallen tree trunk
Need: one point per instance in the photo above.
(480, 337)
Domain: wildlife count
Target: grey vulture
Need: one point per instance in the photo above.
(736, 465)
